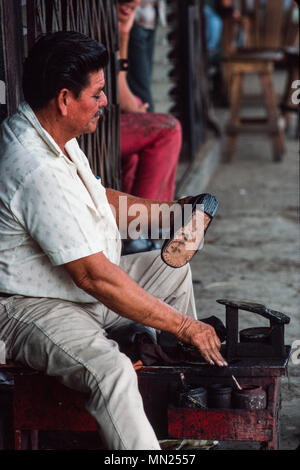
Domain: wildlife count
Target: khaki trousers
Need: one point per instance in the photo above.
(68, 340)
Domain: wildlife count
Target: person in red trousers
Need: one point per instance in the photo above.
(150, 142)
(150, 146)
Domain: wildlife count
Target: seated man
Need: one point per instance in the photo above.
(63, 284)
(150, 142)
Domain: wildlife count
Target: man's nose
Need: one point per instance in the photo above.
(103, 102)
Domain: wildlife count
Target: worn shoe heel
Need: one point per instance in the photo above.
(175, 252)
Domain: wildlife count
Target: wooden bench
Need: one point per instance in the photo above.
(40, 403)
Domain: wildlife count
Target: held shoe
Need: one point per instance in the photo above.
(185, 241)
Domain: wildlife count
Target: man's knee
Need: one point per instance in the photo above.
(185, 272)
(107, 372)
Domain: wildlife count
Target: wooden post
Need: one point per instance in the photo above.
(232, 331)
(11, 25)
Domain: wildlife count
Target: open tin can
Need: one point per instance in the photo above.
(251, 397)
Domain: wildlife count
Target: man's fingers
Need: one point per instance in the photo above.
(207, 357)
(215, 345)
(213, 357)
(215, 341)
(205, 353)
(210, 350)
(218, 359)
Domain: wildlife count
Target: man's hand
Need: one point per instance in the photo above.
(205, 339)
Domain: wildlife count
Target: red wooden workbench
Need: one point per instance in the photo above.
(40, 403)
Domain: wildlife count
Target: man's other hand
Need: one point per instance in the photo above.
(204, 338)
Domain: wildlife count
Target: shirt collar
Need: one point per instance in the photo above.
(25, 109)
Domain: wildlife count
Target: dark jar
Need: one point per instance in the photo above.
(194, 398)
(251, 397)
(219, 396)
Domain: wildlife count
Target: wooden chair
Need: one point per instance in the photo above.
(267, 31)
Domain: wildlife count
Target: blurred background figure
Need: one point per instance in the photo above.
(141, 48)
(213, 26)
(150, 142)
(214, 13)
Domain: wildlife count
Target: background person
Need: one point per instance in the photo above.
(141, 48)
(150, 142)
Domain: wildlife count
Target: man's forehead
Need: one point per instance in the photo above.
(97, 79)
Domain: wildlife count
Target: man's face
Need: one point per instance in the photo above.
(85, 111)
(126, 9)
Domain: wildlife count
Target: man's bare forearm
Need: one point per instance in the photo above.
(109, 284)
(120, 293)
(114, 196)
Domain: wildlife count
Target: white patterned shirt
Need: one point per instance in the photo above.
(52, 211)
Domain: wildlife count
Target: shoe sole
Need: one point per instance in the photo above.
(175, 252)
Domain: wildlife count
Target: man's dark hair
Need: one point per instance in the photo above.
(60, 60)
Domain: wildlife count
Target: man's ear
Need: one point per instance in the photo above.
(63, 100)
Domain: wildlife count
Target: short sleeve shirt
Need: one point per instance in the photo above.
(53, 210)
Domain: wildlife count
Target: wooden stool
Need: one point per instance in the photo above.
(260, 63)
(268, 29)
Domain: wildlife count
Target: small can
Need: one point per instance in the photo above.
(219, 396)
(251, 397)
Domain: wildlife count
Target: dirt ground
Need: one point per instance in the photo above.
(252, 247)
(252, 252)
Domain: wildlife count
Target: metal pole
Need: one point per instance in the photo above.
(12, 41)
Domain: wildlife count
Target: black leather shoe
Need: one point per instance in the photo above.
(177, 251)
